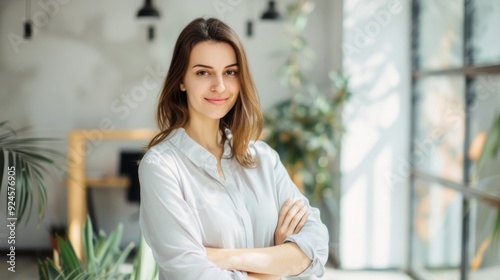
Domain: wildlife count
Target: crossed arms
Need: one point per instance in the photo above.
(300, 241)
(270, 262)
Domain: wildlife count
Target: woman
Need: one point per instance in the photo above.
(215, 203)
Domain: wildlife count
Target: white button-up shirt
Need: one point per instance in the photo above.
(186, 206)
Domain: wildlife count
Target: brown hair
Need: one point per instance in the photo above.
(244, 119)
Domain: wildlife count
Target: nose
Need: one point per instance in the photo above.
(218, 84)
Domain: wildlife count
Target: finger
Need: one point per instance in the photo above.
(296, 219)
(289, 228)
(284, 211)
(292, 212)
(302, 222)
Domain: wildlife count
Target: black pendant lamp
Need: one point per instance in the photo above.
(28, 24)
(149, 14)
(148, 10)
(271, 13)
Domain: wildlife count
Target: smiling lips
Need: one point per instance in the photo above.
(217, 101)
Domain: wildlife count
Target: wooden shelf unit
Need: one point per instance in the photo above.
(78, 182)
(108, 182)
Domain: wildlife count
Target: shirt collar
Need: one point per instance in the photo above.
(194, 151)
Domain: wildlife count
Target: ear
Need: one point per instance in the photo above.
(182, 87)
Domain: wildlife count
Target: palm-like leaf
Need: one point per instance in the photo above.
(69, 260)
(103, 259)
(31, 163)
(48, 270)
(145, 267)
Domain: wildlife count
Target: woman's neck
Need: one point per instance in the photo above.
(207, 135)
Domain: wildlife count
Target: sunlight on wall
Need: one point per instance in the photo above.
(382, 197)
(374, 207)
(353, 232)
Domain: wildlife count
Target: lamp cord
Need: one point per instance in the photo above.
(28, 10)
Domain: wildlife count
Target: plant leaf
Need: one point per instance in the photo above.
(42, 271)
(48, 270)
(121, 259)
(35, 157)
(30, 162)
(145, 267)
(42, 193)
(114, 245)
(25, 191)
(88, 245)
(2, 165)
(20, 190)
(491, 145)
(31, 183)
(70, 263)
(496, 229)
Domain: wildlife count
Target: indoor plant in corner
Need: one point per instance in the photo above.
(103, 259)
(27, 162)
(306, 130)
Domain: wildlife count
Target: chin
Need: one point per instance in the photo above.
(217, 116)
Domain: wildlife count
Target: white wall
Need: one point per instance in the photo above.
(376, 55)
(86, 64)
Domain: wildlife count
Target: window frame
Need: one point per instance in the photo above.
(469, 72)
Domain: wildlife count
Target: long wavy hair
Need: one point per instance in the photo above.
(245, 118)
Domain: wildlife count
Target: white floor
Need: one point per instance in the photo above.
(364, 275)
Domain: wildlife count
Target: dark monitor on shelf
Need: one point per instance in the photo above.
(129, 164)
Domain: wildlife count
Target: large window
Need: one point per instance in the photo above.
(456, 98)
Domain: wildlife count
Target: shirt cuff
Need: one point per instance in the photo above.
(313, 251)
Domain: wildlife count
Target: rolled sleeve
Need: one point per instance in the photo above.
(171, 228)
(314, 250)
(313, 238)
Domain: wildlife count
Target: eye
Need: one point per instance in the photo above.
(232, 72)
(202, 73)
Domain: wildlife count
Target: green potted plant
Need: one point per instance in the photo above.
(103, 259)
(306, 135)
(27, 161)
(306, 129)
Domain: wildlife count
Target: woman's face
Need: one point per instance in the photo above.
(211, 81)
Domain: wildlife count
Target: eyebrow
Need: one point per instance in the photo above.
(210, 67)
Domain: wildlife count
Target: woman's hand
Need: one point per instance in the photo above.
(291, 220)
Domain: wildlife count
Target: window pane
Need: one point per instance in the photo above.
(485, 37)
(441, 34)
(440, 127)
(437, 230)
(485, 109)
(485, 251)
